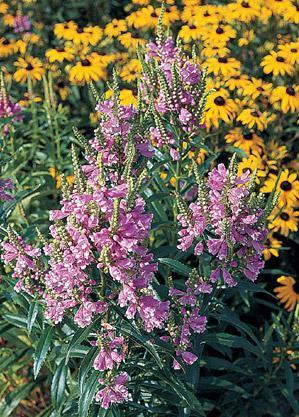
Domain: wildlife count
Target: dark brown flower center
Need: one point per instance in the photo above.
(85, 63)
(192, 27)
(5, 42)
(284, 216)
(79, 30)
(222, 60)
(254, 113)
(29, 67)
(219, 30)
(245, 4)
(219, 101)
(290, 91)
(286, 186)
(260, 89)
(60, 84)
(248, 136)
(59, 49)
(247, 169)
(206, 14)
(154, 14)
(294, 50)
(280, 59)
(296, 287)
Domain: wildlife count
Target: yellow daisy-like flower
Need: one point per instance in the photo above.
(276, 151)
(131, 70)
(236, 81)
(223, 66)
(190, 33)
(256, 87)
(115, 28)
(248, 37)
(26, 101)
(171, 15)
(287, 97)
(278, 6)
(89, 35)
(130, 41)
(60, 54)
(65, 30)
(272, 246)
(7, 47)
(28, 67)
(244, 10)
(3, 7)
(290, 51)
(291, 14)
(288, 292)
(252, 118)
(252, 164)
(284, 220)
(277, 64)
(219, 35)
(63, 89)
(219, 107)
(126, 97)
(287, 185)
(212, 51)
(85, 71)
(247, 141)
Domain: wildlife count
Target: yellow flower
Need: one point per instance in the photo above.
(284, 220)
(28, 66)
(253, 117)
(54, 174)
(288, 96)
(128, 40)
(256, 87)
(86, 70)
(219, 107)
(291, 14)
(272, 246)
(89, 35)
(248, 37)
(60, 54)
(277, 64)
(218, 35)
(26, 101)
(287, 186)
(63, 89)
(244, 10)
(3, 7)
(247, 141)
(275, 151)
(236, 81)
(211, 51)
(252, 164)
(190, 33)
(9, 20)
(115, 28)
(223, 66)
(126, 97)
(278, 6)
(170, 16)
(65, 30)
(131, 70)
(288, 292)
(7, 47)
(290, 51)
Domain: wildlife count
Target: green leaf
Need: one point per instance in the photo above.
(58, 385)
(231, 341)
(176, 266)
(86, 365)
(42, 349)
(32, 314)
(90, 388)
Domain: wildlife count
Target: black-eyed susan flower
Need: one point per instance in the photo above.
(225, 66)
(190, 33)
(248, 141)
(130, 40)
(131, 70)
(252, 164)
(284, 220)
(272, 246)
(251, 118)
(86, 70)
(288, 292)
(287, 185)
(89, 35)
(278, 6)
(236, 81)
(219, 34)
(26, 100)
(210, 51)
(126, 97)
(277, 64)
(115, 28)
(244, 10)
(60, 54)
(256, 87)
(290, 51)
(7, 47)
(65, 30)
(219, 107)
(63, 89)
(248, 36)
(28, 67)
(275, 150)
(287, 97)
(291, 13)
(171, 14)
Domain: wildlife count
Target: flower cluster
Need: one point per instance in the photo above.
(231, 214)
(5, 186)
